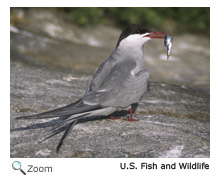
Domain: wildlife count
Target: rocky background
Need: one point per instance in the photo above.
(52, 62)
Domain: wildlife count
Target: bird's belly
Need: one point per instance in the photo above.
(103, 112)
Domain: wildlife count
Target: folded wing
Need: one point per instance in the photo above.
(121, 87)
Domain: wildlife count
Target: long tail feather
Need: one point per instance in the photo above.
(70, 127)
(68, 116)
(66, 126)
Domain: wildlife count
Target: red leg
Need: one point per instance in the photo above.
(131, 119)
(112, 117)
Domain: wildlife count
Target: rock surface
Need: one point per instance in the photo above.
(50, 69)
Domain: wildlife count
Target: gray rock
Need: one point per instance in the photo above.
(50, 69)
(173, 120)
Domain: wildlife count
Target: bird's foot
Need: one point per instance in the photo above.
(115, 118)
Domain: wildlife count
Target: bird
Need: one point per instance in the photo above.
(118, 84)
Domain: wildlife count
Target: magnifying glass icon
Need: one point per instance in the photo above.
(16, 165)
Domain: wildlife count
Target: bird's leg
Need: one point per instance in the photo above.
(112, 117)
(131, 119)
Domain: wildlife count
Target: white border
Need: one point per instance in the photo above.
(113, 3)
(109, 167)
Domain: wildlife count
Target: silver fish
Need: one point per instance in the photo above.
(168, 42)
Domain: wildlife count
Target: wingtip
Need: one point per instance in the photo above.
(22, 117)
(25, 117)
(58, 148)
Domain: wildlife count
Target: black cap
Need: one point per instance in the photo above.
(131, 29)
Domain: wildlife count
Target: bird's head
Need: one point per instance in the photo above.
(137, 35)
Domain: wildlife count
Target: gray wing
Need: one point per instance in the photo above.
(121, 87)
(64, 112)
(102, 72)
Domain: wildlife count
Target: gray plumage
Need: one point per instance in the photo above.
(119, 82)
